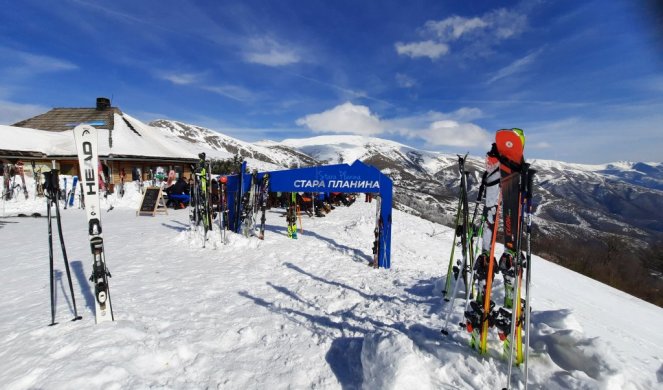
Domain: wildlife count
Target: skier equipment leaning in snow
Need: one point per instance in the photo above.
(86, 144)
(504, 165)
(51, 185)
(484, 268)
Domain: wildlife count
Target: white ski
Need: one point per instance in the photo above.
(88, 160)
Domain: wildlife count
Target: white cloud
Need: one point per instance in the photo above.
(453, 27)
(267, 51)
(453, 133)
(430, 49)
(346, 118)
(476, 33)
(435, 128)
(466, 114)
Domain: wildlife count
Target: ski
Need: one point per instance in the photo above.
(376, 232)
(86, 144)
(263, 204)
(122, 176)
(21, 173)
(462, 268)
(223, 207)
(6, 193)
(291, 215)
(447, 284)
(248, 203)
(72, 193)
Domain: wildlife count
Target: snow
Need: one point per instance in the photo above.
(26, 139)
(283, 313)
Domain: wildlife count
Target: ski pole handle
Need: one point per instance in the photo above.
(530, 183)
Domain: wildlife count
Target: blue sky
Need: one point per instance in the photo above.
(584, 79)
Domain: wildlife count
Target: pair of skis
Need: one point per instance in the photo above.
(264, 195)
(291, 215)
(9, 184)
(247, 217)
(86, 144)
(71, 195)
(253, 202)
(377, 233)
(466, 230)
(201, 210)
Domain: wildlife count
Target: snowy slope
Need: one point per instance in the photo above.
(220, 146)
(334, 149)
(284, 313)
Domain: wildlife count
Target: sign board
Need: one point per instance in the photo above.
(152, 202)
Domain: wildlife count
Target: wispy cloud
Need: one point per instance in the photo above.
(405, 81)
(201, 81)
(181, 78)
(452, 28)
(267, 51)
(517, 66)
(235, 92)
(21, 63)
(11, 112)
(429, 48)
(487, 30)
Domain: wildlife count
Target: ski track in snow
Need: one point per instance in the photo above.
(283, 313)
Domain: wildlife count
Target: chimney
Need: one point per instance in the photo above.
(103, 103)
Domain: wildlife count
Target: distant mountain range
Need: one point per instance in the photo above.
(581, 203)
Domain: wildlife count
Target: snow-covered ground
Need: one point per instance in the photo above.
(283, 313)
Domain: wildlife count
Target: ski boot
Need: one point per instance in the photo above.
(481, 266)
(508, 269)
(474, 318)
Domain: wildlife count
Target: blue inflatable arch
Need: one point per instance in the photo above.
(357, 177)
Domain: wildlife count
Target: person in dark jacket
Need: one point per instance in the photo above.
(178, 194)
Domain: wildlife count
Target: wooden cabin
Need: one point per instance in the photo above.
(125, 143)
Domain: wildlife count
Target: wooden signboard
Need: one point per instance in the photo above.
(152, 202)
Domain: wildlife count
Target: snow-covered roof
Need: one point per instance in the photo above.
(129, 138)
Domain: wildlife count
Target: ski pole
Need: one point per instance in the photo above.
(530, 180)
(64, 255)
(447, 284)
(517, 307)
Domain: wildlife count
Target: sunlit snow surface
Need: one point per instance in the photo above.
(283, 313)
